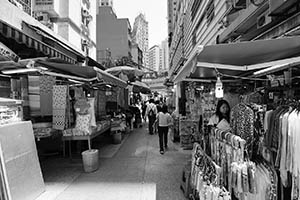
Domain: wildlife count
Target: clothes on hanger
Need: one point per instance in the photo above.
(205, 177)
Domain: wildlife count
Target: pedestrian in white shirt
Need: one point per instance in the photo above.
(151, 112)
(164, 121)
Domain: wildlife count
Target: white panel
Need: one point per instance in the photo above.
(24, 174)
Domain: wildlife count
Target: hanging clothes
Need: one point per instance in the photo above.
(59, 106)
(46, 88)
(242, 124)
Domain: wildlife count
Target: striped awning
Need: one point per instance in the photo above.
(22, 38)
(110, 79)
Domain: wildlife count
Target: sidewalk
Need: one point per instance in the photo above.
(133, 170)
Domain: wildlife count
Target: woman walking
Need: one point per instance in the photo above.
(164, 121)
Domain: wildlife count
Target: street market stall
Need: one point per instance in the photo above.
(260, 81)
(64, 98)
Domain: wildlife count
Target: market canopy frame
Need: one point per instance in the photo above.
(236, 59)
(60, 69)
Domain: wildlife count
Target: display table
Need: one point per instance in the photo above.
(95, 133)
(118, 125)
(42, 130)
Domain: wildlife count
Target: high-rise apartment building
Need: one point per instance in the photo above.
(113, 35)
(164, 56)
(25, 5)
(34, 23)
(140, 36)
(73, 20)
(137, 55)
(106, 3)
(154, 58)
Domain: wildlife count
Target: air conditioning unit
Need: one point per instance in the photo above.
(85, 42)
(19, 5)
(263, 20)
(241, 4)
(85, 13)
(42, 17)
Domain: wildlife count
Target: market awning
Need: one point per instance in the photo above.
(238, 58)
(7, 54)
(110, 79)
(76, 70)
(10, 32)
(139, 86)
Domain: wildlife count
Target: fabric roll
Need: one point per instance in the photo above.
(34, 95)
(34, 103)
(34, 84)
(25, 97)
(46, 86)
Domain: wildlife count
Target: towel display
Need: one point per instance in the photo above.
(59, 106)
(82, 106)
(46, 86)
(83, 123)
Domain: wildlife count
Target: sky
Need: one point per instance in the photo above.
(155, 12)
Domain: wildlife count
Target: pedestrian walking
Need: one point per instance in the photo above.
(144, 107)
(164, 121)
(151, 112)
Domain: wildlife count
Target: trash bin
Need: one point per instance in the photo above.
(90, 160)
(117, 137)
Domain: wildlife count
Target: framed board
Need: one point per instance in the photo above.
(4, 189)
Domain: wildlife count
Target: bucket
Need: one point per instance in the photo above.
(117, 137)
(90, 160)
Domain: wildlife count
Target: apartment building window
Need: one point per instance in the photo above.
(195, 8)
(44, 2)
(210, 11)
(24, 5)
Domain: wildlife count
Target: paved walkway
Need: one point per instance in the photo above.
(133, 170)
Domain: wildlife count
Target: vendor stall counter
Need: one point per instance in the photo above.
(74, 134)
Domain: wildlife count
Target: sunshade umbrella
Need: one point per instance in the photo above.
(130, 72)
(7, 54)
(139, 86)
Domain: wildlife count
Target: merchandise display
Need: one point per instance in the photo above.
(205, 177)
(188, 132)
(60, 93)
(10, 111)
(100, 125)
(43, 129)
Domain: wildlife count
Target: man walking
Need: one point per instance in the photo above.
(151, 112)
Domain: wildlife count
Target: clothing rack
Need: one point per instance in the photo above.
(205, 174)
(236, 142)
(201, 160)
